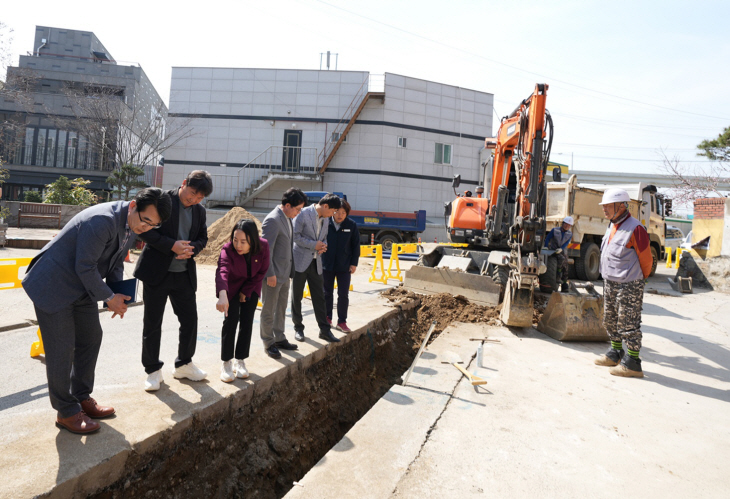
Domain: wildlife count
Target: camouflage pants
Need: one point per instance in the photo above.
(622, 302)
(563, 266)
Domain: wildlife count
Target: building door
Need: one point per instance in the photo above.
(292, 150)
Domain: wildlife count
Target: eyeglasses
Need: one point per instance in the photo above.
(148, 222)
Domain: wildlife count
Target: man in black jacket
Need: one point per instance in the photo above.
(339, 262)
(167, 269)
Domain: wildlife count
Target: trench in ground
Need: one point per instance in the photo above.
(256, 443)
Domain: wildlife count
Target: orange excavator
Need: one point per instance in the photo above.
(498, 236)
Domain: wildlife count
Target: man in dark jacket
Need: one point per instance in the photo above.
(167, 269)
(340, 262)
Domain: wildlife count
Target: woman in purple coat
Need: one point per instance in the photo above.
(242, 267)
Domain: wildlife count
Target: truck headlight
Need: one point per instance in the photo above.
(459, 232)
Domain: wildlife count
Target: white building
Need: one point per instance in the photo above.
(391, 143)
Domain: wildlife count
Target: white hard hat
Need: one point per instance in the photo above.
(615, 195)
(568, 220)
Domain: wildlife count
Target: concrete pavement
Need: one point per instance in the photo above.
(550, 423)
(36, 457)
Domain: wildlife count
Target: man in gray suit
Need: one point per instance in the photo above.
(278, 231)
(66, 280)
(310, 241)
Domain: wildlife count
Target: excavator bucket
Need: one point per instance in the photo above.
(517, 308)
(575, 315)
(453, 271)
(477, 288)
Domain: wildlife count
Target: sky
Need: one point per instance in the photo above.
(627, 79)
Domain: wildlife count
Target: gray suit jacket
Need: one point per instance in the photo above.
(305, 239)
(277, 229)
(75, 262)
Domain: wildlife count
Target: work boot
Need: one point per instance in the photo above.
(564, 287)
(610, 358)
(630, 367)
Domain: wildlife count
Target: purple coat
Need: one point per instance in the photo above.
(232, 273)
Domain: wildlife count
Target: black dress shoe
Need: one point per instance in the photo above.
(285, 345)
(299, 335)
(273, 352)
(327, 335)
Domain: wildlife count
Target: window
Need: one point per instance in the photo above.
(402, 142)
(28, 146)
(51, 148)
(61, 157)
(40, 147)
(443, 154)
(336, 137)
(73, 143)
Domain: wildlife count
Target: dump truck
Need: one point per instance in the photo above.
(581, 201)
(384, 227)
(503, 226)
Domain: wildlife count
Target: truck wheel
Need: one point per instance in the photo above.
(549, 280)
(586, 267)
(500, 276)
(655, 260)
(388, 240)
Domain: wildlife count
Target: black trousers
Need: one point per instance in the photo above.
(177, 287)
(239, 314)
(71, 340)
(316, 290)
(343, 293)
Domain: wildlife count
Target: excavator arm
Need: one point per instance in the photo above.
(522, 149)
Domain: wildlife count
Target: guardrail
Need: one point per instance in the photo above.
(275, 159)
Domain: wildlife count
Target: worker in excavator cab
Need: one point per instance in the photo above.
(558, 240)
(626, 262)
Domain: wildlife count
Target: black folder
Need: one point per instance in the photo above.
(126, 287)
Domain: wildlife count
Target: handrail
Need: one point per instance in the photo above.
(342, 124)
(283, 159)
(372, 84)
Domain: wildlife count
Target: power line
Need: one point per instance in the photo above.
(724, 118)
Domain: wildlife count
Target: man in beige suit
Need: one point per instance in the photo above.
(277, 229)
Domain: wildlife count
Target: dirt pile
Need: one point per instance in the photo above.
(445, 308)
(442, 308)
(219, 233)
(539, 307)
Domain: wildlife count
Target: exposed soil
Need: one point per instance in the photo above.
(539, 305)
(442, 308)
(256, 443)
(219, 233)
(446, 308)
(271, 434)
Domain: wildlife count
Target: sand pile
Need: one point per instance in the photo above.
(219, 233)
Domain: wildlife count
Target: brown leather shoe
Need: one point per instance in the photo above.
(78, 423)
(94, 410)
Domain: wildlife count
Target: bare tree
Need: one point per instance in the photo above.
(692, 181)
(127, 132)
(6, 40)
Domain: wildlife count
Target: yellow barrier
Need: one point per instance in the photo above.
(669, 252)
(454, 245)
(679, 254)
(36, 348)
(307, 294)
(10, 272)
(10, 279)
(399, 249)
(377, 252)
